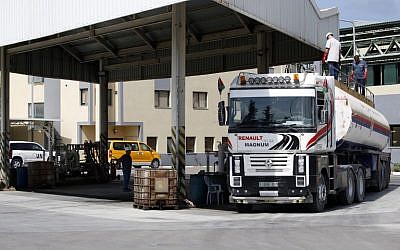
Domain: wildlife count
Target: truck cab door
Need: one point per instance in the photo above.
(324, 119)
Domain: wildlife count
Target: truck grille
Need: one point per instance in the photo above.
(268, 165)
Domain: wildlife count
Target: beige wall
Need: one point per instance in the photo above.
(138, 105)
(120, 132)
(20, 95)
(72, 111)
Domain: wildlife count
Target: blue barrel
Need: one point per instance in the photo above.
(198, 190)
(13, 177)
(22, 177)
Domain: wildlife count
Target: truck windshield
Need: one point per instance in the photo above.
(272, 113)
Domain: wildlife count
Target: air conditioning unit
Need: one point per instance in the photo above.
(36, 79)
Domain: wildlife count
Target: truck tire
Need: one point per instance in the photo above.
(387, 176)
(346, 197)
(320, 197)
(244, 208)
(380, 177)
(360, 186)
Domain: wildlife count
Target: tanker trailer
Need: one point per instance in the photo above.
(299, 138)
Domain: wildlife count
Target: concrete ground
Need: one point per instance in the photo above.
(46, 221)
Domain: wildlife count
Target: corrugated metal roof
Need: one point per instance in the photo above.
(23, 20)
(300, 19)
(221, 36)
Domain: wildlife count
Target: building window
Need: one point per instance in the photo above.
(371, 76)
(225, 140)
(152, 142)
(190, 142)
(199, 100)
(161, 99)
(38, 110)
(395, 137)
(84, 96)
(390, 74)
(208, 144)
(109, 97)
(169, 145)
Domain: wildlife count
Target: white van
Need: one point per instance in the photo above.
(24, 151)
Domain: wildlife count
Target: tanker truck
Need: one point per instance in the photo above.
(301, 138)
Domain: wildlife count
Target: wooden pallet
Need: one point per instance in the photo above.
(159, 206)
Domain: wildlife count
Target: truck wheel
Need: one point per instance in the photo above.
(16, 163)
(387, 176)
(244, 208)
(320, 198)
(360, 186)
(380, 177)
(346, 197)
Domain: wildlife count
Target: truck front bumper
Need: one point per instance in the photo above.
(271, 199)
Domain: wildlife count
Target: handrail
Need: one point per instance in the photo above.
(352, 84)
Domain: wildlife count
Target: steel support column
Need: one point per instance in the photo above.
(178, 68)
(4, 117)
(263, 52)
(103, 113)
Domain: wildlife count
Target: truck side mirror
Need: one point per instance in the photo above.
(221, 113)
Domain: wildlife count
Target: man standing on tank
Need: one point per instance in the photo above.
(359, 72)
(332, 55)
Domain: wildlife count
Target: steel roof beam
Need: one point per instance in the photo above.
(102, 41)
(145, 21)
(140, 33)
(107, 45)
(379, 38)
(243, 22)
(147, 40)
(167, 44)
(73, 52)
(192, 31)
(137, 60)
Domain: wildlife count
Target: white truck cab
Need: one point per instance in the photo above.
(297, 138)
(24, 151)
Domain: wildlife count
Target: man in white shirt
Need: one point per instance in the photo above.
(332, 55)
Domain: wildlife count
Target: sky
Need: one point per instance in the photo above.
(364, 10)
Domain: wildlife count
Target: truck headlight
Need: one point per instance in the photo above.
(236, 164)
(300, 164)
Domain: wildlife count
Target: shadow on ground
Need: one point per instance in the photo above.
(110, 191)
(113, 191)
